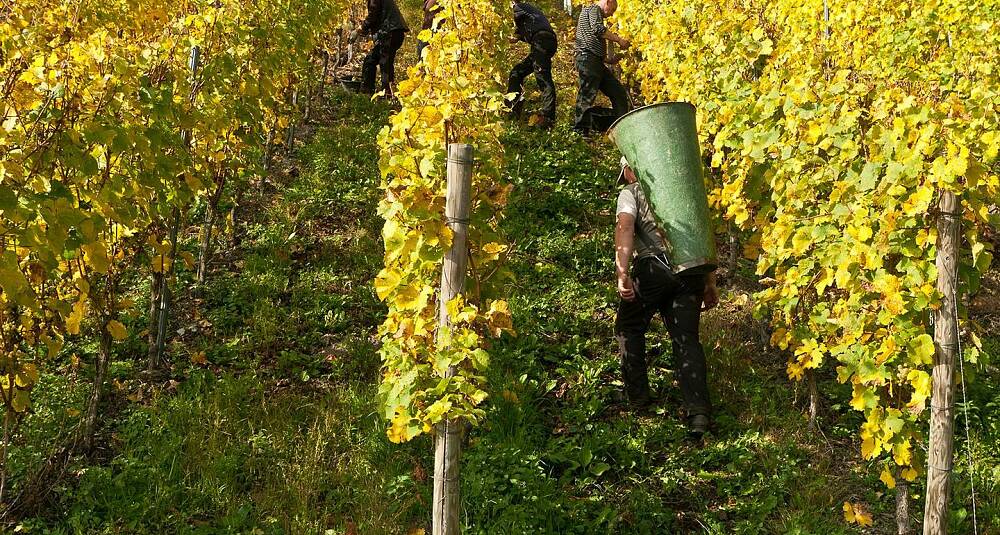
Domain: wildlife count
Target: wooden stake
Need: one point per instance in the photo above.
(902, 504)
(813, 400)
(194, 61)
(940, 451)
(290, 137)
(155, 286)
(161, 329)
(448, 434)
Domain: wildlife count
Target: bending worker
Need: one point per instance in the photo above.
(650, 287)
(532, 27)
(591, 55)
(385, 23)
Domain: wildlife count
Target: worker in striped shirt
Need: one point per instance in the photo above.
(591, 64)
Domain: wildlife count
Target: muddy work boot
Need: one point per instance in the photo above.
(698, 425)
(639, 398)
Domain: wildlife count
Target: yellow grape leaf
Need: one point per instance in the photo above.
(869, 448)
(781, 338)
(75, 317)
(199, 358)
(459, 311)
(407, 298)
(919, 200)
(27, 375)
(801, 241)
(926, 237)
(862, 233)
(416, 531)
(426, 166)
(856, 514)
(492, 251)
(188, 259)
(921, 382)
(499, 318)
(909, 473)
(862, 397)
(117, 330)
(795, 371)
(893, 423)
(96, 256)
(814, 132)
(922, 349)
(160, 264)
(901, 453)
(401, 430)
(386, 281)
(887, 478)
(21, 401)
(53, 343)
(438, 409)
(193, 182)
(12, 280)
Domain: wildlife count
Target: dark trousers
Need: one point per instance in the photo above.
(539, 60)
(678, 300)
(383, 56)
(596, 76)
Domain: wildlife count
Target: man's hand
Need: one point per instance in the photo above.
(625, 288)
(710, 298)
(612, 59)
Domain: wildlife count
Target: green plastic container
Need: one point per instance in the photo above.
(660, 142)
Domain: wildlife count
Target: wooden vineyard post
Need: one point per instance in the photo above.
(447, 434)
(940, 451)
(568, 6)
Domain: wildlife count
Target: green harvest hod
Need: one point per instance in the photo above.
(660, 142)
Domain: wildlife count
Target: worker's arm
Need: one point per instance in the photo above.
(617, 39)
(374, 17)
(521, 19)
(624, 241)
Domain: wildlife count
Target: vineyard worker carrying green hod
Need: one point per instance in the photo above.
(651, 287)
(532, 27)
(591, 58)
(386, 25)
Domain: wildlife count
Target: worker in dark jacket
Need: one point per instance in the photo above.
(647, 285)
(386, 26)
(532, 27)
(431, 9)
(591, 58)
